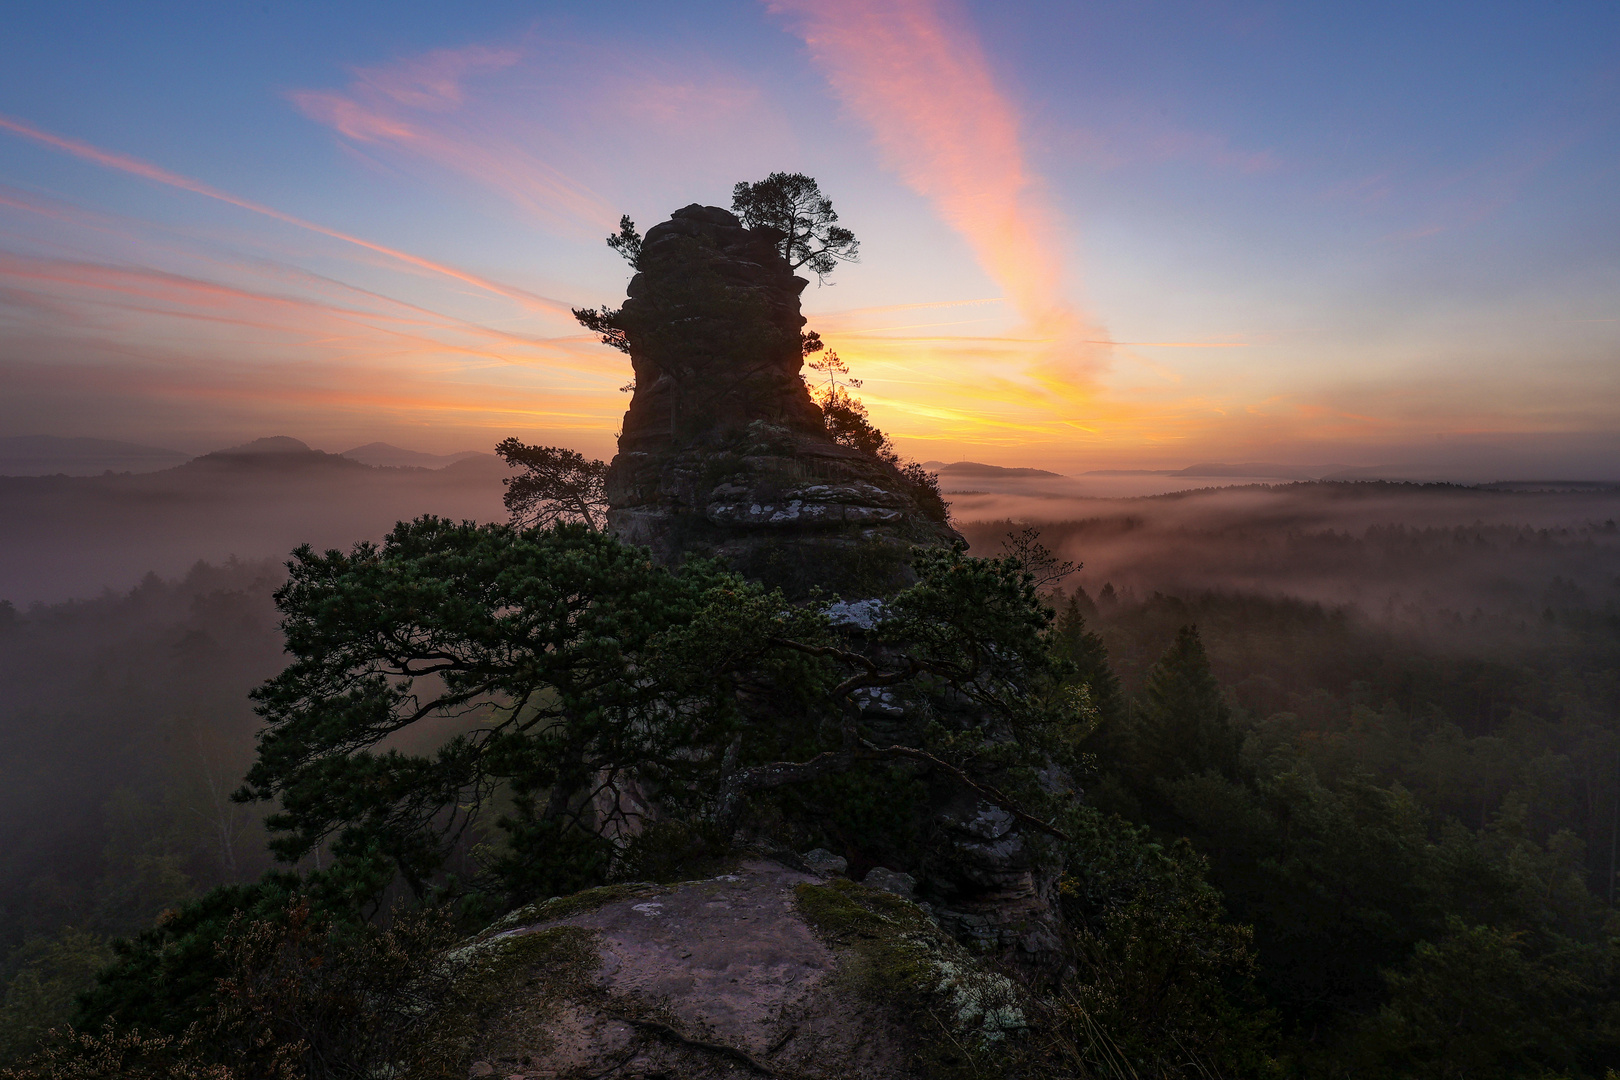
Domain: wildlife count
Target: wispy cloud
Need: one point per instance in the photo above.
(136, 167)
(413, 105)
(533, 122)
(364, 323)
(921, 81)
(90, 345)
(914, 71)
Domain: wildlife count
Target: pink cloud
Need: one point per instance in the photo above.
(422, 106)
(134, 166)
(434, 81)
(916, 74)
(64, 293)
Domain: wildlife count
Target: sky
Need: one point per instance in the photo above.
(1104, 235)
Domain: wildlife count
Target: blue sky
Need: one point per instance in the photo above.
(1094, 236)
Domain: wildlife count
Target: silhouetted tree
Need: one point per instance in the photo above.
(604, 321)
(557, 484)
(627, 241)
(1038, 561)
(794, 204)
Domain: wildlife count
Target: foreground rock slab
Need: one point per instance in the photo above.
(730, 976)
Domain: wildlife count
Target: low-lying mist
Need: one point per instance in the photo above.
(65, 536)
(124, 718)
(1432, 557)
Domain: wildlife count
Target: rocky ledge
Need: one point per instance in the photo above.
(763, 970)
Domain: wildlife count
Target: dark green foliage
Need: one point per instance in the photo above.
(40, 995)
(1383, 924)
(923, 486)
(117, 1054)
(793, 204)
(847, 422)
(856, 812)
(1350, 858)
(530, 651)
(1163, 981)
(980, 624)
(123, 726)
(163, 978)
(1479, 1002)
(671, 851)
(1083, 648)
(1181, 723)
(295, 994)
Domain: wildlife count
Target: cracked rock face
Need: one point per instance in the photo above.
(723, 451)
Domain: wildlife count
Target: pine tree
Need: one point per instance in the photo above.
(1084, 648)
(1181, 724)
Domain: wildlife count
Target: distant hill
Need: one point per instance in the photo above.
(277, 454)
(390, 456)
(66, 536)
(51, 455)
(274, 444)
(975, 468)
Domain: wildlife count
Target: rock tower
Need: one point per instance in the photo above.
(723, 452)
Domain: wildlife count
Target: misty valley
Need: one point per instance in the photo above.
(809, 540)
(1390, 743)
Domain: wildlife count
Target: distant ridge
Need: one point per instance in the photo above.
(277, 454)
(387, 455)
(975, 468)
(274, 444)
(48, 455)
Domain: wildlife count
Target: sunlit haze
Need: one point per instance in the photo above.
(1093, 237)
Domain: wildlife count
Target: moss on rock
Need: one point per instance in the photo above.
(968, 1019)
(505, 990)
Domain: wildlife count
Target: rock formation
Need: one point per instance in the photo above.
(723, 452)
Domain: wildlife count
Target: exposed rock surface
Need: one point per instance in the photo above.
(723, 452)
(752, 966)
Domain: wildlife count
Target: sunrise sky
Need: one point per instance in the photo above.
(1093, 235)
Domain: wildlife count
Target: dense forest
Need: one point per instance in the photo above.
(1413, 809)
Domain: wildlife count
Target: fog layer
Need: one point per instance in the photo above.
(63, 537)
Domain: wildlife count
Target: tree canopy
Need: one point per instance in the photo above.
(565, 666)
(793, 203)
